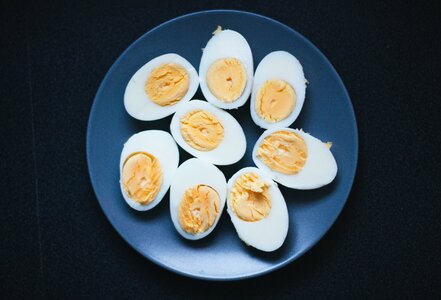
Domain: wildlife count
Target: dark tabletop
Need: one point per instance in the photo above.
(56, 241)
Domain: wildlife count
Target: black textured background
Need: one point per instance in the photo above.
(55, 240)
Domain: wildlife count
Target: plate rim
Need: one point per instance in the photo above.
(272, 267)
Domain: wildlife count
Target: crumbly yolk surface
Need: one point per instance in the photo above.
(284, 152)
(167, 84)
(201, 130)
(226, 79)
(275, 100)
(199, 209)
(142, 177)
(250, 199)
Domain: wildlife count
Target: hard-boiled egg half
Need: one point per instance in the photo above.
(295, 159)
(226, 69)
(257, 209)
(160, 87)
(197, 198)
(148, 163)
(208, 133)
(278, 90)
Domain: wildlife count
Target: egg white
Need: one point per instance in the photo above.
(139, 105)
(189, 174)
(161, 145)
(284, 66)
(269, 233)
(231, 149)
(320, 167)
(226, 44)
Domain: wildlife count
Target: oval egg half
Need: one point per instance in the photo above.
(160, 87)
(148, 163)
(208, 133)
(197, 198)
(295, 158)
(226, 70)
(257, 209)
(278, 90)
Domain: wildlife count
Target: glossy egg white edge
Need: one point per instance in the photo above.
(136, 101)
(162, 146)
(269, 233)
(279, 65)
(227, 43)
(320, 167)
(230, 150)
(189, 174)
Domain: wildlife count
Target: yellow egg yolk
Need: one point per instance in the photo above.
(250, 199)
(202, 130)
(284, 152)
(199, 209)
(167, 84)
(141, 177)
(226, 79)
(275, 100)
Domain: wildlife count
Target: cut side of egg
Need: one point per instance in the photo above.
(257, 209)
(295, 158)
(160, 87)
(197, 198)
(148, 163)
(278, 91)
(226, 69)
(208, 133)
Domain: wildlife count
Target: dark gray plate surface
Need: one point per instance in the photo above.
(327, 114)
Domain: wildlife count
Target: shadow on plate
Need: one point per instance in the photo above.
(137, 125)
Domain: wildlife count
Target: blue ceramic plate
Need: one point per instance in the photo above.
(327, 114)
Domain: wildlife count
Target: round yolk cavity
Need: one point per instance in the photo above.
(226, 79)
(284, 152)
(142, 177)
(275, 100)
(199, 209)
(167, 84)
(202, 130)
(250, 199)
